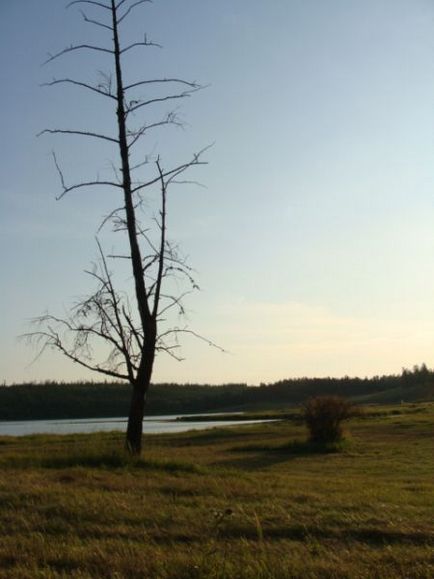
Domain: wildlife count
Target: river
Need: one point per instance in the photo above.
(151, 425)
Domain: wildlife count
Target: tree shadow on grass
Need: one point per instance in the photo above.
(112, 461)
(210, 436)
(266, 455)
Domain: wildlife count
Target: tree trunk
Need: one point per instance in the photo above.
(133, 441)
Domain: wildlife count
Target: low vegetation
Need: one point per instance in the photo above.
(252, 502)
(324, 416)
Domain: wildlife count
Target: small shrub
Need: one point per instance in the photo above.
(324, 416)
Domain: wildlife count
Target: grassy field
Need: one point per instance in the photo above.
(245, 502)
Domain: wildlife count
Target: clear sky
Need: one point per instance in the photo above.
(313, 240)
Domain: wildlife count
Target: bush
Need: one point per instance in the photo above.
(324, 416)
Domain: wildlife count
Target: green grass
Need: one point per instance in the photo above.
(246, 502)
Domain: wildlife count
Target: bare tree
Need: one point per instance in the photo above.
(128, 331)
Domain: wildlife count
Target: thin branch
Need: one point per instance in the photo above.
(116, 256)
(100, 4)
(169, 120)
(119, 4)
(163, 214)
(151, 245)
(130, 8)
(72, 48)
(188, 182)
(182, 95)
(134, 331)
(118, 326)
(81, 84)
(51, 338)
(68, 188)
(144, 42)
(110, 216)
(103, 335)
(96, 22)
(196, 335)
(81, 133)
(148, 159)
(175, 301)
(94, 368)
(177, 170)
(60, 173)
(161, 80)
(90, 184)
(168, 350)
(116, 172)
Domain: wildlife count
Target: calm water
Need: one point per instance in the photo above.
(152, 425)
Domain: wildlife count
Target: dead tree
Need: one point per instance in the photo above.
(130, 331)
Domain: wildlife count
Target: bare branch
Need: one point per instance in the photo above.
(134, 331)
(143, 233)
(81, 133)
(72, 48)
(169, 350)
(174, 301)
(145, 42)
(188, 182)
(196, 335)
(96, 22)
(162, 80)
(130, 8)
(89, 184)
(116, 256)
(68, 188)
(118, 326)
(52, 339)
(163, 214)
(93, 367)
(176, 171)
(181, 95)
(119, 4)
(81, 84)
(59, 171)
(148, 159)
(100, 4)
(110, 216)
(169, 120)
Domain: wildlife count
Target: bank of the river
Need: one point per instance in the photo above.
(248, 502)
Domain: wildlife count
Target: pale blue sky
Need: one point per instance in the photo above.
(314, 237)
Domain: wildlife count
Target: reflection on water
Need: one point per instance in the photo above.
(151, 425)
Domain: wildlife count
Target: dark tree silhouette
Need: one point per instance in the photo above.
(129, 331)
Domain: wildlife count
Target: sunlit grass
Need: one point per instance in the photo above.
(251, 502)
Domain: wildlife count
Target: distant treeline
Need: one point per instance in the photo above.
(54, 400)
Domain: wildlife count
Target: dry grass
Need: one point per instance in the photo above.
(247, 502)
